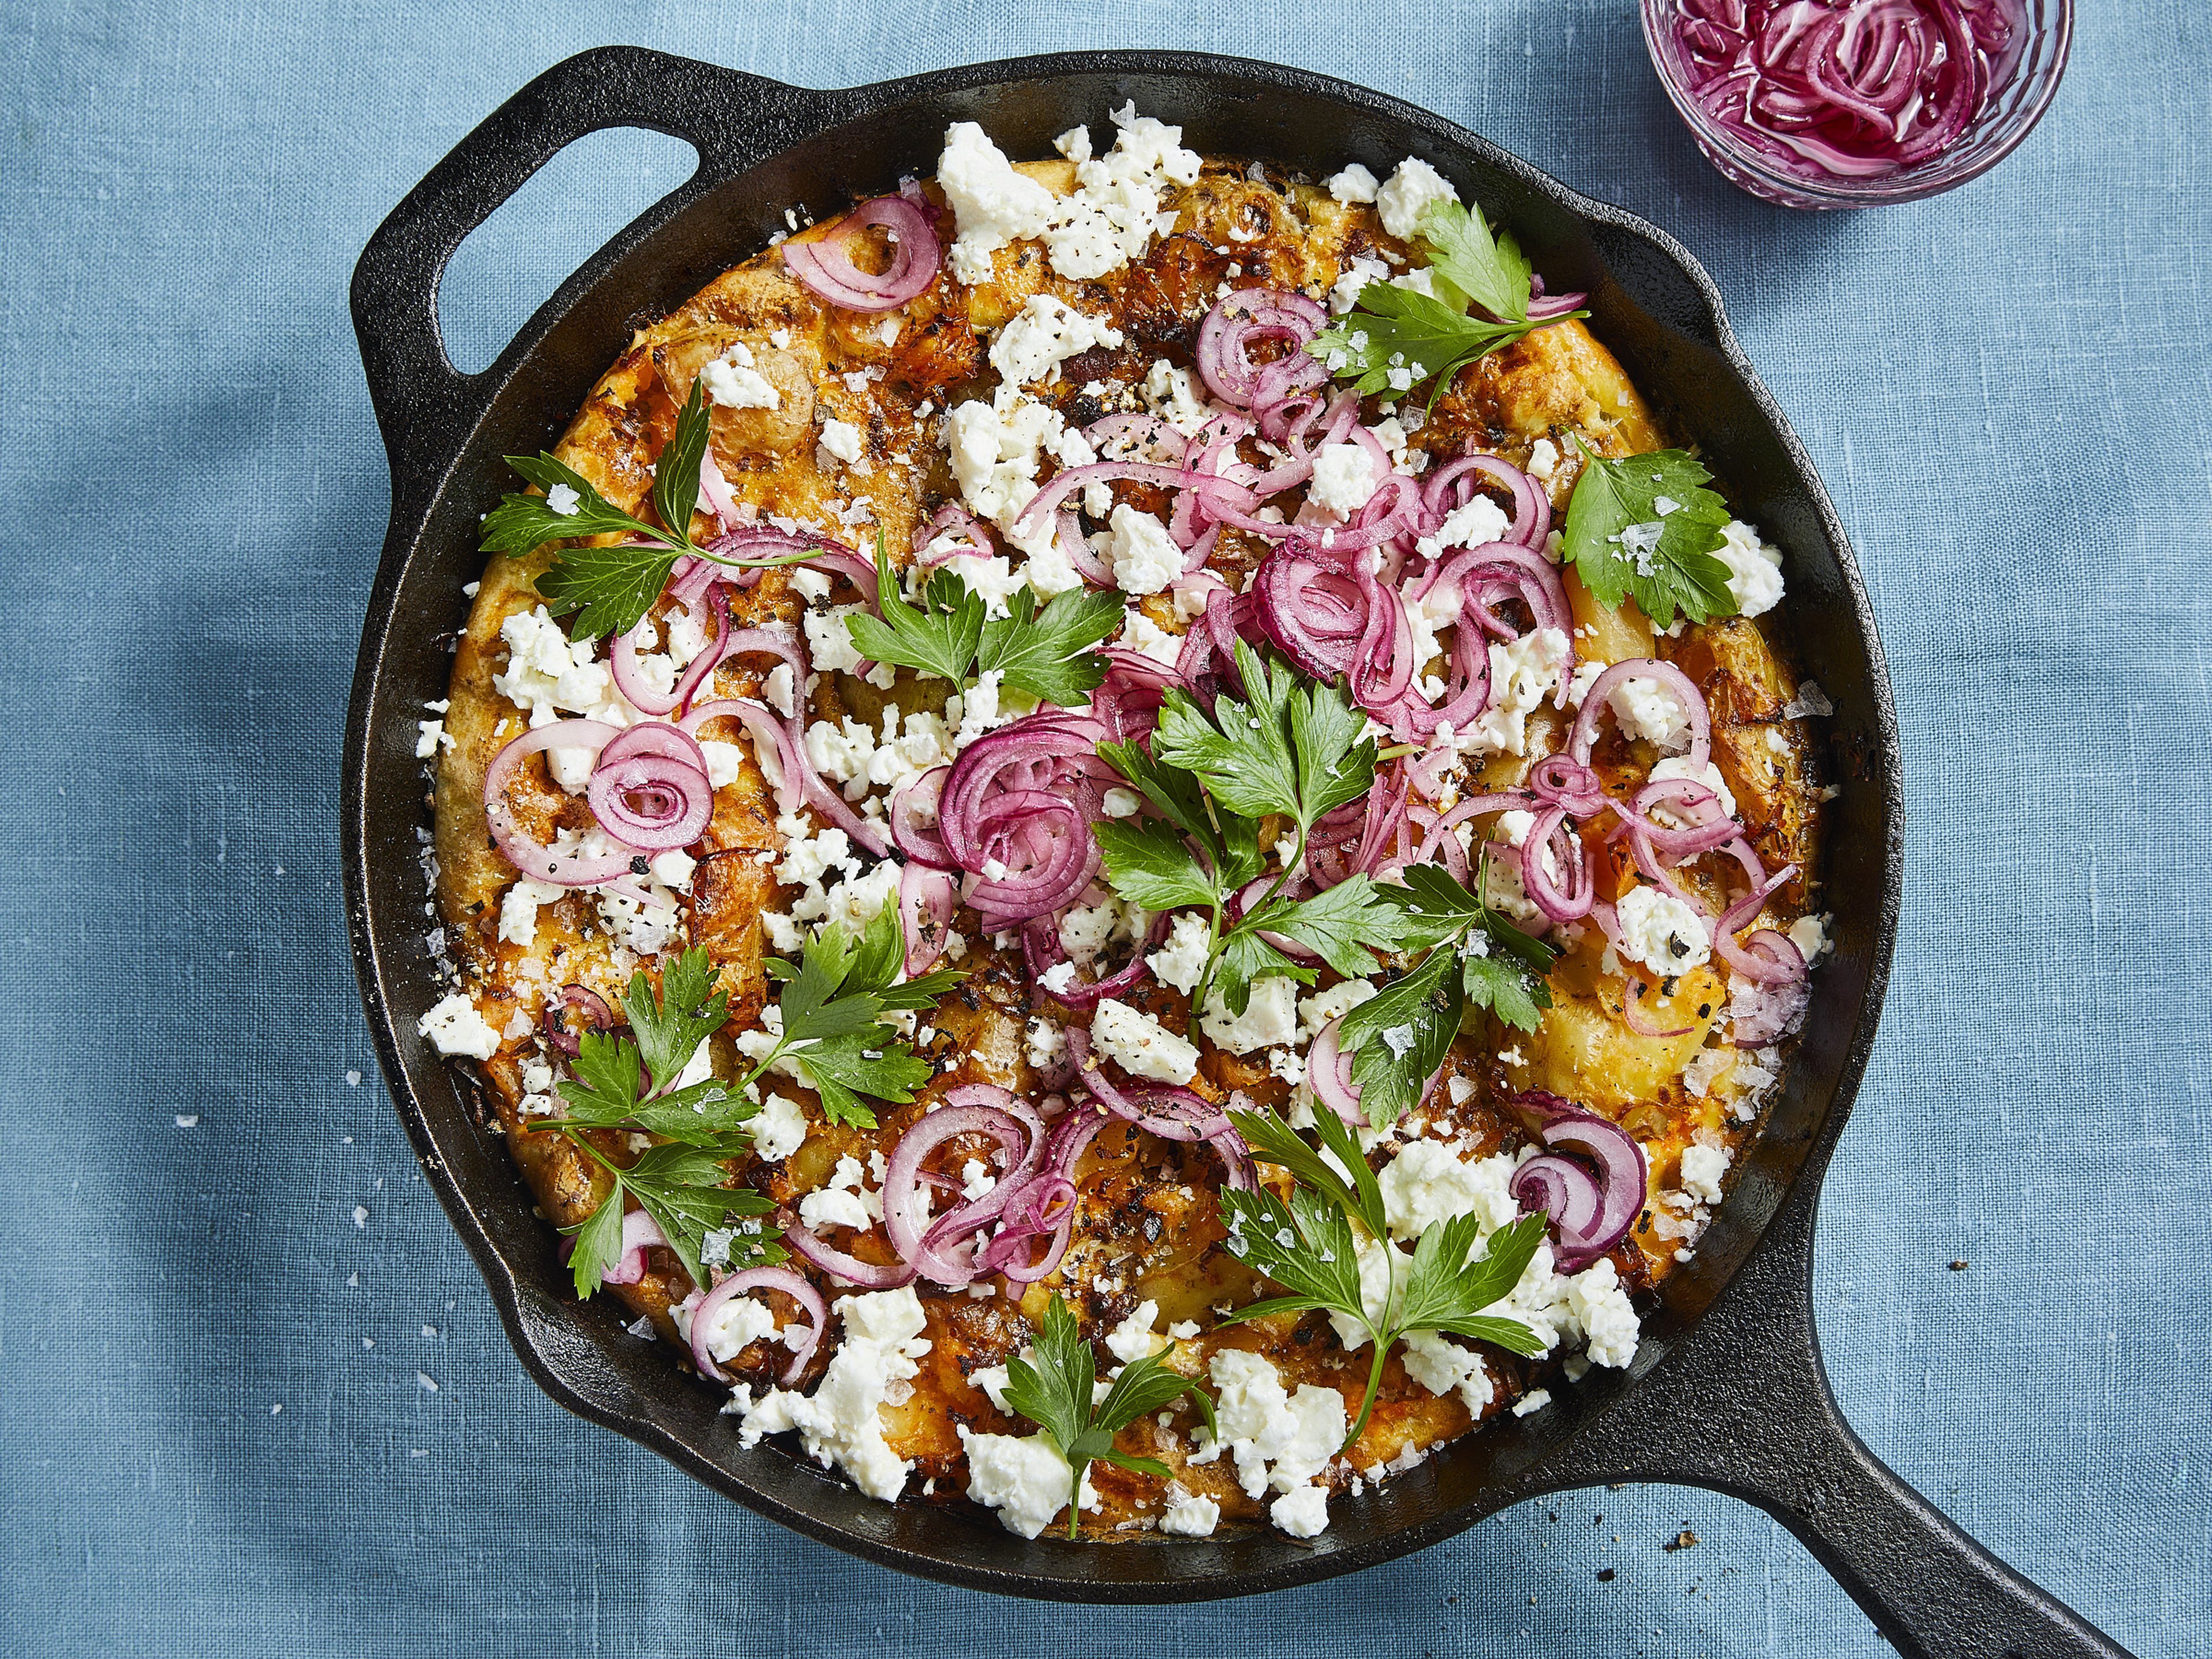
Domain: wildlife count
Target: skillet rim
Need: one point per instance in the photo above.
(554, 1338)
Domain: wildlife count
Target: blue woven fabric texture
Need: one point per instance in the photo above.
(253, 1399)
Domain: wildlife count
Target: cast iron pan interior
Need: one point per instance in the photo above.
(1727, 1389)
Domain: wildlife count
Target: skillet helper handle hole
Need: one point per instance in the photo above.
(425, 406)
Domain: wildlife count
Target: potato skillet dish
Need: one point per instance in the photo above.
(1117, 837)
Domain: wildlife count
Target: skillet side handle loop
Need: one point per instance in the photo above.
(1749, 1383)
(424, 405)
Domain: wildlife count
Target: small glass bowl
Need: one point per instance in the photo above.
(1995, 134)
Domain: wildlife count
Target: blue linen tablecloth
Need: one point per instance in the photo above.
(253, 1399)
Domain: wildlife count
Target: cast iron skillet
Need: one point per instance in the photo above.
(1727, 1391)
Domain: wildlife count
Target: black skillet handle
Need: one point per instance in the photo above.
(424, 405)
(1744, 1407)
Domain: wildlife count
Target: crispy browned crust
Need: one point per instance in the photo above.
(1148, 1228)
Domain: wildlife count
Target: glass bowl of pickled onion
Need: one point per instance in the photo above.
(1854, 103)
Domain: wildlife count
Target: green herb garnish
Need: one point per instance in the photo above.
(1048, 654)
(1055, 1393)
(621, 1084)
(1292, 748)
(1307, 1246)
(1647, 525)
(1476, 956)
(610, 588)
(1395, 338)
(833, 1029)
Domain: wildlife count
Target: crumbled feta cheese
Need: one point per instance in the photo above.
(1754, 568)
(992, 204)
(1045, 1042)
(430, 735)
(1531, 1402)
(1140, 1045)
(646, 928)
(1358, 274)
(1322, 1006)
(1143, 556)
(1190, 1516)
(1810, 935)
(779, 1128)
(1181, 961)
(1133, 1339)
(1442, 1366)
(1543, 460)
(1412, 189)
(1661, 932)
(454, 1027)
(1275, 1438)
(564, 500)
(733, 1326)
(840, 1423)
(1170, 393)
(1271, 1017)
(518, 910)
(1040, 337)
(1428, 1183)
(734, 380)
(1647, 709)
(1354, 183)
(1114, 212)
(842, 440)
(1140, 632)
(1343, 480)
(1523, 672)
(1023, 1478)
(1703, 1166)
(1302, 1513)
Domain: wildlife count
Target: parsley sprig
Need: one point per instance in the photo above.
(1291, 748)
(1647, 525)
(630, 1084)
(833, 1029)
(1476, 956)
(1308, 1247)
(1049, 654)
(610, 588)
(1054, 1393)
(1395, 338)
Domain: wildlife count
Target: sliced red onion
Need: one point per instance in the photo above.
(533, 858)
(1314, 605)
(639, 1233)
(1126, 701)
(715, 491)
(772, 736)
(1852, 92)
(1451, 486)
(824, 267)
(1328, 1074)
(1041, 952)
(759, 1278)
(584, 1001)
(927, 903)
(1564, 1190)
(1632, 1016)
(1016, 812)
(913, 819)
(649, 790)
(1672, 680)
(1246, 319)
(1619, 1163)
(848, 1269)
(933, 1245)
